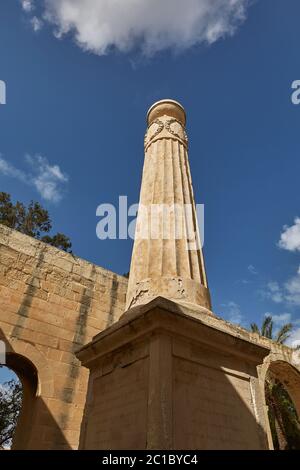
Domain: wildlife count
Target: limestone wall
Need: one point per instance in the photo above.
(117, 410)
(219, 402)
(51, 303)
(162, 379)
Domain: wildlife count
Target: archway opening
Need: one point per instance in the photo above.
(18, 390)
(11, 393)
(282, 393)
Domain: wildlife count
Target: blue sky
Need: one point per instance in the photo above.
(71, 132)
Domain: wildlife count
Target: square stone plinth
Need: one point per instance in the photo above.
(169, 377)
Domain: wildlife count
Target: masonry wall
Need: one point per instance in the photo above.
(165, 391)
(118, 408)
(51, 303)
(214, 402)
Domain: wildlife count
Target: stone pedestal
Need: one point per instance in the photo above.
(168, 377)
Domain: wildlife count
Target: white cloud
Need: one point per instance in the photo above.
(281, 319)
(274, 292)
(290, 237)
(27, 5)
(252, 269)
(294, 339)
(288, 293)
(9, 170)
(292, 287)
(49, 180)
(149, 25)
(36, 24)
(273, 286)
(233, 312)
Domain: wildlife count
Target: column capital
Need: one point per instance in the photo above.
(169, 108)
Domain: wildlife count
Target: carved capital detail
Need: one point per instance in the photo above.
(165, 129)
(175, 128)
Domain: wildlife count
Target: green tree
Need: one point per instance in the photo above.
(266, 330)
(10, 406)
(284, 422)
(59, 241)
(32, 220)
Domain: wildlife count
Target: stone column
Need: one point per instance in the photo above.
(167, 258)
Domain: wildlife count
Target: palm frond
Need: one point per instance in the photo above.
(284, 333)
(266, 326)
(269, 330)
(254, 328)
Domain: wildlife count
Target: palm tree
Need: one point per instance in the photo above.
(283, 417)
(267, 330)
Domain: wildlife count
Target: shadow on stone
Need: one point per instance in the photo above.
(36, 427)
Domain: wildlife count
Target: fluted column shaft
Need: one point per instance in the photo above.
(167, 257)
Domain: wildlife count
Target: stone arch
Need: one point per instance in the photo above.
(36, 378)
(287, 374)
(28, 377)
(45, 381)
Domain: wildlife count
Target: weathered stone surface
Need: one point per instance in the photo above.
(199, 382)
(52, 302)
(167, 260)
(205, 379)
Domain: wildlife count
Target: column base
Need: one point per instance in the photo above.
(167, 377)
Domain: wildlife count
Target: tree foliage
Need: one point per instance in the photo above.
(10, 406)
(284, 422)
(32, 220)
(266, 330)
